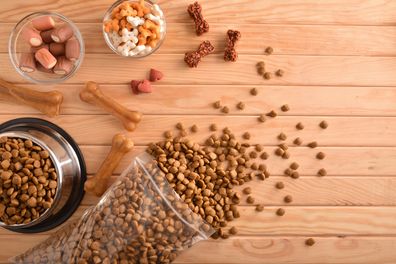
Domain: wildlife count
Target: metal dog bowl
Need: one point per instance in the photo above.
(69, 165)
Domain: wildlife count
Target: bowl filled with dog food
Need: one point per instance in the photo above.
(46, 47)
(42, 173)
(134, 28)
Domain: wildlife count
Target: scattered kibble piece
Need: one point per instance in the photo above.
(282, 136)
(279, 152)
(233, 230)
(194, 129)
(288, 172)
(286, 155)
(261, 71)
(225, 110)
(279, 73)
(283, 146)
(320, 155)
(261, 118)
(295, 175)
(250, 199)
(300, 126)
(253, 154)
(183, 133)
(294, 166)
(285, 108)
(246, 135)
(259, 148)
(280, 185)
(253, 91)
(280, 211)
(322, 172)
(260, 64)
(272, 113)
(297, 141)
(288, 199)
(313, 144)
(310, 242)
(247, 190)
(262, 167)
(259, 207)
(168, 134)
(217, 104)
(179, 126)
(213, 127)
(269, 50)
(323, 124)
(264, 155)
(267, 75)
(241, 106)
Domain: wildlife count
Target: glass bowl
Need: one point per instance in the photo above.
(18, 46)
(108, 36)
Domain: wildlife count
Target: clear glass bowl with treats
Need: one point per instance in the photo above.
(46, 47)
(134, 28)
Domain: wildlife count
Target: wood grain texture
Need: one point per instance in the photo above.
(354, 12)
(299, 70)
(197, 100)
(307, 39)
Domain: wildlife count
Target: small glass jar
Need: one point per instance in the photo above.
(115, 39)
(17, 46)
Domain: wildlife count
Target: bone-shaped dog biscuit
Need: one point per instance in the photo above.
(120, 146)
(47, 103)
(93, 95)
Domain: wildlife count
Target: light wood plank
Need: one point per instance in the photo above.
(286, 39)
(304, 221)
(355, 12)
(299, 70)
(339, 162)
(373, 131)
(271, 250)
(193, 99)
(313, 191)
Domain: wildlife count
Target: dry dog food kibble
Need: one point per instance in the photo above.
(217, 105)
(195, 12)
(259, 207)
(213, 127)
(28, 181)
(241, 106)
(194, 57)
(295, 175)
(250, 199)
(253, 91)
(320, 155)
(280, 185)
(324, 124)
(313, 144)
(225, 110)
(135, 28)
(247, 190)
(280, 211)
(285, 108)
(279, 73)
(269, 50)
(282, 136)
(310, 242)
(233, 36)
(297, 141)
(272, 113)
(267, 75)
(264, 155)
(261, 118)
(52, 48)
(322, 172)
(300, 126)
(288, 199)
(194, 129)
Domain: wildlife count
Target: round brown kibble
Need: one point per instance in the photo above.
(322, 172)
(5, 164)
(44, 154)
(168, 134)
(213, 127)
(217, 105)
(279, 152)
(310, 242)
(280, 211)
(246, 135)
(16, 180)
(272, 113)
(286, 155)
(264, 156)
(259, 147)
(282, 136)
(269, 50)
(283, 146)
(194, 128)
(254, 91)
(320, 155)
(280, 73)
(294, 166)
(260, 70)
(32, 202)
(241, 106)
(295, 175)
(247, 190)
(260, 64)
(253, 154)
(300, 126)
(179, 126)
(288, 199)
(280, 185)
(297, 141)
(233, 230)
(225, 110)
(323, 124)
(267, 75)
(313, 144)
(285, 108)
(288, 172)
(259, 207)
(261, 118)
(250, 199)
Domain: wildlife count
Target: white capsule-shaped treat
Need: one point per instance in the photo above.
(147, 50)
(156, 10)
(135, 31)
(137, 50)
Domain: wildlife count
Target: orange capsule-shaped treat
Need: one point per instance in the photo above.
(45, 58)
(62, 34)
(31, 36)
(27, 63)
(46, 36)
(43, 23)
(63, 66)
(57, 49)
(72, 49)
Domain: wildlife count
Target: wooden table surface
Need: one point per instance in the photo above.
(340, 66)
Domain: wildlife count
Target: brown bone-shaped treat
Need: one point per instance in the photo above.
(120, 146)
(193, 58)
(47, 103)
(93, 95)
(201, 25)
(233, 36)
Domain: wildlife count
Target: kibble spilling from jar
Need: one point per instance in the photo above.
(28, 181)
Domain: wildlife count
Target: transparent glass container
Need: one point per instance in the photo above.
(108, 40)
(17, 45)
